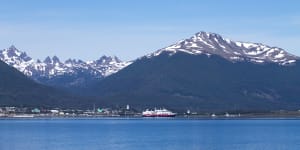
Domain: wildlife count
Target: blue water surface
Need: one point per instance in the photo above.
(149, 134)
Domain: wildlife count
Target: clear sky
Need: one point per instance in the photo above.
(87, 29)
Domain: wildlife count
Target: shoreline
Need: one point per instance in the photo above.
(254, 117)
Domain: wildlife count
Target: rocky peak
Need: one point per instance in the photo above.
(55, 60)
(47, 60)
(107, 60)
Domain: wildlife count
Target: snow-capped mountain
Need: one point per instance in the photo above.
(108, 65)
(207, 73)
(52, 67)
(214, 44)
(19, 60)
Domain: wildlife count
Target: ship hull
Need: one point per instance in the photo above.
(159, 115)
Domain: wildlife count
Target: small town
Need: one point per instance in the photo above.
(128, 112)
(26, 112)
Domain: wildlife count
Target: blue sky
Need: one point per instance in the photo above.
(87, 29)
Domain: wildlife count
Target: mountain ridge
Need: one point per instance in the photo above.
(214, 44)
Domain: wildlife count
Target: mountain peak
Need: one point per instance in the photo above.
(214, 44)
(108, 59)
(55, 59)
(47, 60)
(74, 61)
(12, 54)
(13, 51)
(207, 34)
(12, 48)
(70, 61)
(116, 59)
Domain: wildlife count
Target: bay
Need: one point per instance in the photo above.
(149, 134)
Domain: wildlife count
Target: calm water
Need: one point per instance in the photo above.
(149, 134)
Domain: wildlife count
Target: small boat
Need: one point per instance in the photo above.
(158, 113)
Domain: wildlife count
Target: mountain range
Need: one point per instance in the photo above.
(71, 73)
(205, 72)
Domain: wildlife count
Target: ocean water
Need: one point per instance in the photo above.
(149, 134)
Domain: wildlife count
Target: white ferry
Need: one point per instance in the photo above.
(158, 113)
